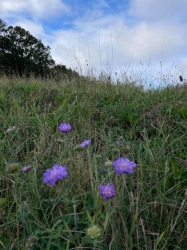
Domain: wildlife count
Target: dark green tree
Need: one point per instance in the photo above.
(60, 71)
(22, 53)
(2, 25)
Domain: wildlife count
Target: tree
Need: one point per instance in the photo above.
(2, 25)
(22, 53)
(60, 71)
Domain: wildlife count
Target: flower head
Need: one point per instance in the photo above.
(64, 127)
(107, 191)
(26, 169)
(123, 165)
(55, 174)
(85, 143)
(94, 232)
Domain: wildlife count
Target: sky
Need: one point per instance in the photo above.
(139, 39)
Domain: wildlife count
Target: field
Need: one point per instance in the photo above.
(149, 127)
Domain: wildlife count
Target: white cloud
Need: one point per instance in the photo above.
(155, 10)
(112, 41)
(37, 9)
(159, 41)
(36, 29)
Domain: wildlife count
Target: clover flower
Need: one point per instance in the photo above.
(26, 169)
(64, 127)
(55, 174)
(107, 191)
(123, 165)
(85, 143)
(94, 232)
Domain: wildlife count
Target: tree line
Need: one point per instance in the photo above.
(22, 54)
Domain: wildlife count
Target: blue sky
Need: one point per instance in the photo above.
(144, 39)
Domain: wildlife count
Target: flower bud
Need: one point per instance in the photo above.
(108, 164)
(115, 151)
(94, 232)
(26, 169)
(126, 149)
(12, 168)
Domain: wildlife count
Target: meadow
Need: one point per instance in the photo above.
(148, 210)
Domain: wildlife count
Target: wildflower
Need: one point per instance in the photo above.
(85, 143)
(94, 232)
(107, 191)
(64, 127)
(55, 174)
(123, 165)
(26, 169)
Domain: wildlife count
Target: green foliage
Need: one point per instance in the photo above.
(149, 210)
(2, 25)
(60, 72)
(22, 53)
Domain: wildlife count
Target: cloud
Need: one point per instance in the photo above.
(160, 41)
(111, 40)
(154, 10)
(34, 8)
(35, 28)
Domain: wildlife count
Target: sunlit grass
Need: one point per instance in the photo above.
(148, 127)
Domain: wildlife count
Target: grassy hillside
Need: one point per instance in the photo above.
(149, 209)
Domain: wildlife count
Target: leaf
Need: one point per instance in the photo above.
(89, 218)
(158, 241)
(133, 224)
(3, 201)
(175, 168)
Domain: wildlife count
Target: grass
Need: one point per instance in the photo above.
(149, 210)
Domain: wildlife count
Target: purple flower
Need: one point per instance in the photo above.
(123, 165)
(64, 127)
(54, 174)
(107, 191)
(26, 169)
(85, 143)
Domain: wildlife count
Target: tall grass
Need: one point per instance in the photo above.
(149, 209)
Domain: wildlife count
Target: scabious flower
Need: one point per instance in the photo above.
(26, 169)
(85, 143)
(64, 127)
(123, 165)
(107, 191)
(94, 232)
(54, 174)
